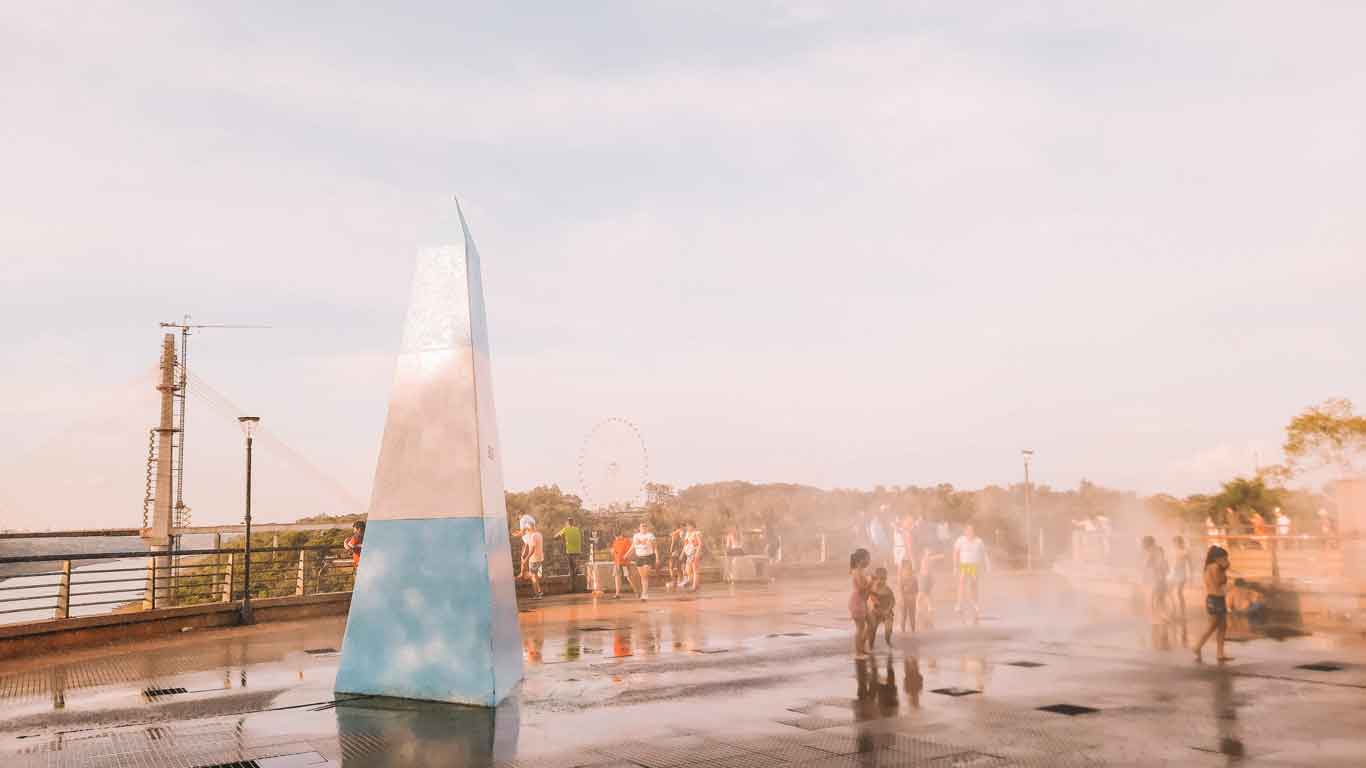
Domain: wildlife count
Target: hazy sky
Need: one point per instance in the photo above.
(833, 243)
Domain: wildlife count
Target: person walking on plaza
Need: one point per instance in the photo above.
(692, 555)
(734, 549)
(1155, 572)
(969, 561)
(621, 554)
(903, 544)
(1216, 602)
(573, 550)
(910, 592)
(646, 556)
(859, 585)
(1180, 575)
(677, 562)
(533, 558)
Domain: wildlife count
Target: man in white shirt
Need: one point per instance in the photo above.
(969, 561)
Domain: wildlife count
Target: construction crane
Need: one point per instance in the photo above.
(179, 394)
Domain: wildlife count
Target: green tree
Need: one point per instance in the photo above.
(1329, 434)
(547, 503)
(1244, 495)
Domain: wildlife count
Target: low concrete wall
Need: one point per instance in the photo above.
(46, 636)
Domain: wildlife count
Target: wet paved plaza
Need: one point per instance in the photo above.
(755, 677)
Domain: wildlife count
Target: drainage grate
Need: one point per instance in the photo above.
(711, 650)
(956, 691)
(153, 693)
(1068, 709)
(790, 634)
(238, 764)
(320, 651)
(1025, 664)
(594, 629)
(1322, 666)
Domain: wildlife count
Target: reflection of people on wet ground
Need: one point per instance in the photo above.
(533, 558)
(910, 592)
(1155, 571)
(876, 699)
(533, 643)
(882, 608)
(925, 600)
(915, 682)
(621, 553)
(1216, 605)
(887, 699)
(644, 545)
(969, 561)
(859, 586)
(1226, 715)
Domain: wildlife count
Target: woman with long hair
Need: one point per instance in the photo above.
(858, 600)
(1216, 602)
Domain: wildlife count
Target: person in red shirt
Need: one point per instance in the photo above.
(353, 544)
(621, 554)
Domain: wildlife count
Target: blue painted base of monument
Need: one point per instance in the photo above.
(434, 613)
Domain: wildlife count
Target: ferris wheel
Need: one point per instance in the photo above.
(614, 466)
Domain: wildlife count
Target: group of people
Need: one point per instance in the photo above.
(873, 602)
(1230, 522)
(641, 550)
(532, 561)
(1166, 582)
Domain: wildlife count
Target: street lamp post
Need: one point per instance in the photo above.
(249, 424)
(1028, 454)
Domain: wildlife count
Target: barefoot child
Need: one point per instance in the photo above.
(1216, 604)
(882, 604)
(858, 599)
(910, 593)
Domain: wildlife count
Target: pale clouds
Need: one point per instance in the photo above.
(830, 243)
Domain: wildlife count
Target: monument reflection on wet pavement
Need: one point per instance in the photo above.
(758, 676)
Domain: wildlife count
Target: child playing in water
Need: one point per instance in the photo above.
(910, 593)
(883, 604)
(858, 599)
(1216, 604)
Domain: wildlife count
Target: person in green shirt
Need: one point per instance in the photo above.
(573, 550)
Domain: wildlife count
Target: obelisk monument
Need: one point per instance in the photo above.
(434, 612)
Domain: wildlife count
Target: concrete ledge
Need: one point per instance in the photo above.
(57, 634)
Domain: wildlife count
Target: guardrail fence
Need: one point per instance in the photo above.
(110, 581)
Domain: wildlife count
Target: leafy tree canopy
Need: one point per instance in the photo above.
(1329, 434)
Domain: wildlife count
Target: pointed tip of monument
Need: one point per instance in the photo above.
(460, 215)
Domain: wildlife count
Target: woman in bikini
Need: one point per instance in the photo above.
(1216, 602)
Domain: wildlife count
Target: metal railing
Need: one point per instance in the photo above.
(190, 577)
